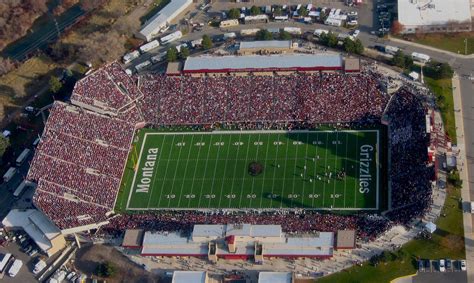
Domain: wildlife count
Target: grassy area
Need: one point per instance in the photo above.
(446, 242)
(453, 42)
(20, 84)
(212, 170)
(444, 97)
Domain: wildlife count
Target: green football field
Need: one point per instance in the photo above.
(208, 170)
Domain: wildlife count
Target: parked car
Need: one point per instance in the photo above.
(421, 266)
(33, 252)
(462, 263)
(442, 265)
(449, 265)
(427, 265)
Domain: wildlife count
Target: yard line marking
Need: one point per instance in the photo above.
(235, 168)
(155, 175)
(294, 179)
(316, 160)
(175, 172)
(185, 170)
(284, 176)
(243, 183)
(263, 183)
(225, 170)
(335, 164)
(305, 162)
(194, 174)
(357, 172)
(214, 175)
(205, 170)
(325, 166)
(253, 179)
(345, 172)
(166, 170)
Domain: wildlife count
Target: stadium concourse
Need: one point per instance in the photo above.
(82, 155)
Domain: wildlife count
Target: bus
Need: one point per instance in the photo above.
(22, 157)
(391, 49)
(171, 37)
(19, 190)
(281, 18)
(4, 263)
(129, 57)
(420, 57)
(142, 65)
(9, 174)
(228, 23)
(149, 46)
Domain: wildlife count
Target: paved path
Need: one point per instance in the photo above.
(462, 165)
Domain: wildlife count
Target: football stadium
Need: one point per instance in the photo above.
(301, 141)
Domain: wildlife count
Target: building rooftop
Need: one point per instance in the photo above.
(133, 238)
(265, 44)
(211, 231)
(433, 12)
(163, 16)
(261, 63)
(346, 239)
(253, 230)
(189, 277)
(274, 277)
(352, 64)
(35, 224)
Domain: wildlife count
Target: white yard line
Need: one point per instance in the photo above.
(235, 168)
(315, 171)
(184, 174)
(253, 179)
(171, 193)
(205, 170)
(194, 175)
(325, 167)
(263, 183)
(284, 175)
(357, 168)
(223, 178)
(214, 175)
(243, 183)
(305, 162)
(335, 164)
(166, 170)
(345, 172)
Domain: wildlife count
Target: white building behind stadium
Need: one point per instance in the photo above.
(434, 15)
(162, 19)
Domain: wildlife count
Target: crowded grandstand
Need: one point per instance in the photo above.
(79, 163)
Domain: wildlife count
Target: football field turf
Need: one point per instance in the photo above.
(208, 170)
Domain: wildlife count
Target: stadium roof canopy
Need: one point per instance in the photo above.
(300, 62)
(189, 277)
(346, 239)
(253, 230)
(433, 12)
(265, 44)
(133, 238)
(274, 277)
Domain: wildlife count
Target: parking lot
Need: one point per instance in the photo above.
(440, 271)
(25, 274)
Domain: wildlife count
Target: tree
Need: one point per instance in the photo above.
(349, 45)
(4, 144)
(184, 53)
(233, 13)
(359, 47)
(88, 5)
(55, 84)
(264, 34)
(254, 10)
(284, 35)
(105, 269)
(303, 12)
(331, 39)
(399, 59)
(408, 62)
(6, 65)
(445, 71)
(397, 27)
(102, 47)
(206, 42)
(172, 54)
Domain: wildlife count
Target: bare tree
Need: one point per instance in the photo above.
(6, 65)
(102, 47)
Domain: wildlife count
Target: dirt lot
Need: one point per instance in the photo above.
(87, 259)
